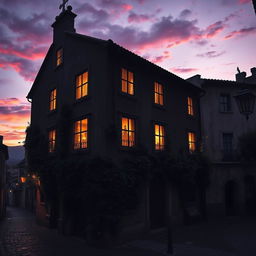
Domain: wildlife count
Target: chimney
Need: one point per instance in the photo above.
(253, 71)
(240, 77)
(63, 23)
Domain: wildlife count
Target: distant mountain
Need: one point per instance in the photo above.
(16, 154)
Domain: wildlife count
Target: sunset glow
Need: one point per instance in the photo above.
(186, 37)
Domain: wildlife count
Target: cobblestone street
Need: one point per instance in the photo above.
(232, 236)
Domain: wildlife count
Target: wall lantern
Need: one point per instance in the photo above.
(23, 179)
(245, 101)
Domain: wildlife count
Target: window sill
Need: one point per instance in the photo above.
(226, 112)
(52, 112)
(128, 96)
(83, 99)
(158, 106)
(80, 151)
(127, 149)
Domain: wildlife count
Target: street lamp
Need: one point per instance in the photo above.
(245, 101)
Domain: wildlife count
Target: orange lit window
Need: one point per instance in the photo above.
(81, 134)
(159, 137)
(128, 132)
(53, 99)
(59, 56)
(82, 85)
(127, 82)
(191, 142)
(159, 94)
(190, 106)
(52, 140)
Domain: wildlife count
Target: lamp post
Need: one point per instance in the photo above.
(245, 101)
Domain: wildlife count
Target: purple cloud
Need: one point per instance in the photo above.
(211, 54)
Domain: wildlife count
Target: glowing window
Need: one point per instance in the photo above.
(159, 137)
(127, 82)
(53, 99)
(128, 132)
(81, 134)
(52, 141)
(59, 56)
(191, 142)
(82, 85)
(190, 106)
(159, 94)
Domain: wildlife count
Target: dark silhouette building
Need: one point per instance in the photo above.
(3, 158)
(120, 102)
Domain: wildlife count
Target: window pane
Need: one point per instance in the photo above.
(84, 140)
(124, 123)
(130, 77)
(130, 89)
(157, 132)
(131, 125)
(131, 139)
(124, 86)
(84, 90)
(84, 125)
(77, 126)
(78, 93)
(125, 138)
(124, 74)
(85, 77)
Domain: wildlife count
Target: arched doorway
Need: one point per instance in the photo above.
(250, 194)
(231, 197)
(157, 203)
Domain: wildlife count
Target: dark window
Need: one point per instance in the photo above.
(227, 142)
(225, 103)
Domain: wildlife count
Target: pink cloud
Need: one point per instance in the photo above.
(241, 32)
(214, 29)
(138, 18)
(244, 1)
(183, 70)
(127, 7)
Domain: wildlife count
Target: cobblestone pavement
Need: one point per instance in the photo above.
(233, 236)
(21, 236)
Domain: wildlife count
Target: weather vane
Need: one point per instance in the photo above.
(63, 5)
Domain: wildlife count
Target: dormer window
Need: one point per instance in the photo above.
(59, 57)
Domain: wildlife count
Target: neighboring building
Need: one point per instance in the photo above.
(120, 102)
(232, 184)
(3, 158)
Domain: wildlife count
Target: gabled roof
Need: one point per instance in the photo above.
(39, 72)
(110, 43)
(219, 82)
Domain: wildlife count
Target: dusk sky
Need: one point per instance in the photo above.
(186, 37)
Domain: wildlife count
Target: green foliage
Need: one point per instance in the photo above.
(247, 147)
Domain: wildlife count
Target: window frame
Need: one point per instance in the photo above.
(53, 100)
(190, 106)
(127, 82)
(81, 86)
(80, 132)
(192, 142)
(227, 104)
(52, 140)
(129, 131)
(160, 136)
(61, 57)
(158, 94)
